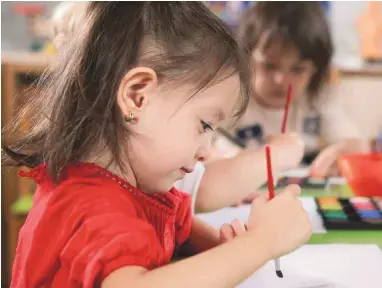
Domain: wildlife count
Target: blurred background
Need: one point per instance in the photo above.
(342, 17)
(26, 51)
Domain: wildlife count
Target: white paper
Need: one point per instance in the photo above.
(298, 172)
(226, 215)
(337, 181)
(323, 266)
(315, 218)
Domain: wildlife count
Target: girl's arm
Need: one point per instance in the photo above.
(224, 266)
(202, 237)
(341, 135)
(275, 228)
(327, 159)
(227, 181)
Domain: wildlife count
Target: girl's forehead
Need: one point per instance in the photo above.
(222, 95)
(276, 47)
(279, 52)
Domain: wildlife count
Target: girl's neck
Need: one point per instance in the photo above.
(104, 160)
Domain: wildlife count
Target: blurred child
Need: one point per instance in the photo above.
(127, 112)
(289, 43)
(223, 183)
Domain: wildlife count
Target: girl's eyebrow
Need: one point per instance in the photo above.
(259, 56)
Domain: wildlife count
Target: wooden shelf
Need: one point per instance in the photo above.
(26, 60)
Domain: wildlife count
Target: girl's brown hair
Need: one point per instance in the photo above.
(302, 24)
(77, 111)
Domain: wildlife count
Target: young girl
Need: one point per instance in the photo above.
(289, 43)
(208, 189)
(126, 114)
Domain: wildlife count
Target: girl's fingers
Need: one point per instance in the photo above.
(226, 233)
(238, 227)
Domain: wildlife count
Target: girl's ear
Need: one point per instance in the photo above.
(133, 92)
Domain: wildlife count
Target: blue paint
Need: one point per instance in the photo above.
(372, 214)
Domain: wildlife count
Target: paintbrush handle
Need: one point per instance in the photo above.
(271, 188)
(277, 260)
(286, 109)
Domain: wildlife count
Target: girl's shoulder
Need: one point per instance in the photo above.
(81, 185)
(328, 99)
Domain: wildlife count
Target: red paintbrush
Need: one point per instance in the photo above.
(286, 110)
(271, 190)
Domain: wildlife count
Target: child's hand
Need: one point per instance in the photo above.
(287, 150)
(230, 231)
(281, 223)
(325, 163)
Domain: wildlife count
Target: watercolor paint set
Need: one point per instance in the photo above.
(304, 182)
(355, 213)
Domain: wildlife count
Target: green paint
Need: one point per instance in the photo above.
(335, 214)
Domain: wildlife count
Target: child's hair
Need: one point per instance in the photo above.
(183, 42)
(302, 24)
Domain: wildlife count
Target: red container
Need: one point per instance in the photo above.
(363, 173)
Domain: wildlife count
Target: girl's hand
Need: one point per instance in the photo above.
(281, 223)
(287, 150)
(230, 231)
(325, 163)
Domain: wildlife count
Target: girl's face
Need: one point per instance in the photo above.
(173, 132)
(276, 67)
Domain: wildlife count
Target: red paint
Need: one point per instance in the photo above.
(364, 206)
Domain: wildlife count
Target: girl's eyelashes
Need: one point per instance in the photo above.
(270, 66)
(206, 126)
(298, 69)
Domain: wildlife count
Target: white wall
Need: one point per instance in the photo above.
(361, 98)
(342, 22)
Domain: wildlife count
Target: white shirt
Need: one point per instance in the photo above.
(326, 122)
(191, 182)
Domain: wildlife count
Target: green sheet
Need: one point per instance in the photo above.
(348, 237)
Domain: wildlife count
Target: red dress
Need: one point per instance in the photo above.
(93, 223)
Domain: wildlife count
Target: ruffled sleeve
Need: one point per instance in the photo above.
(106, 241)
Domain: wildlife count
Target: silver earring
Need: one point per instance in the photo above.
(130, 118)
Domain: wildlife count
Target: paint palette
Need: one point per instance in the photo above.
(304, 182)
(356, 213)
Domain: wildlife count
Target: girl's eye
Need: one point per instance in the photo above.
(298, 70)
(206, 127)
(270, 66)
